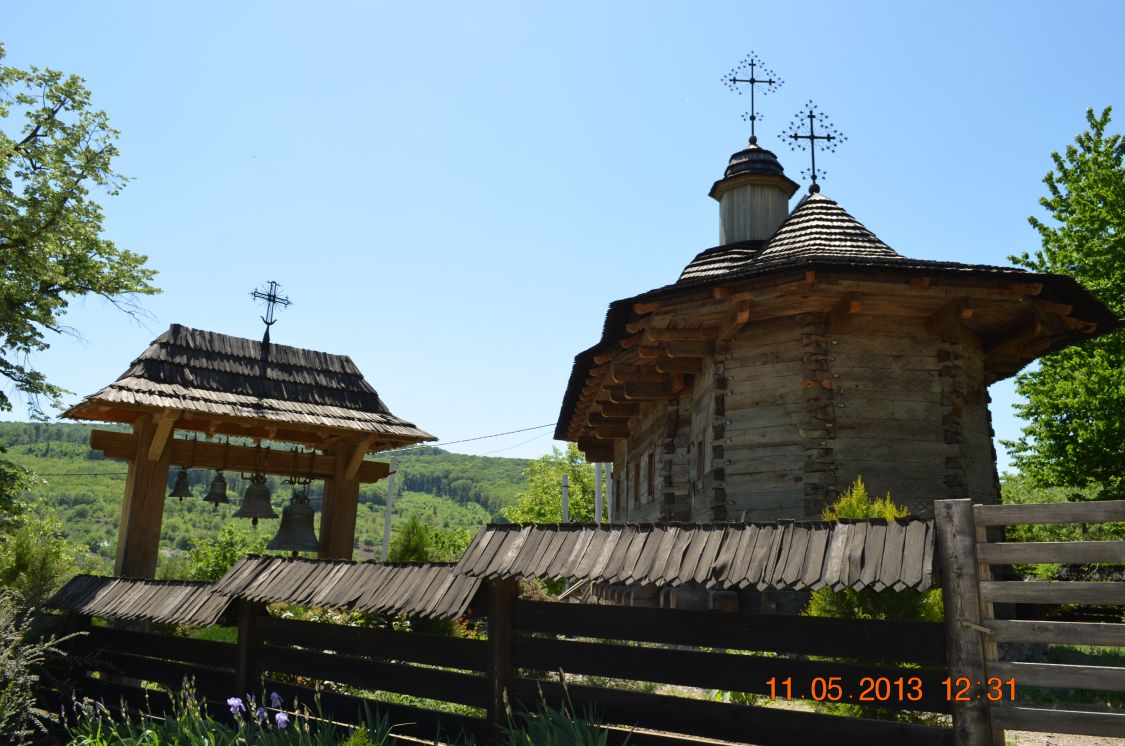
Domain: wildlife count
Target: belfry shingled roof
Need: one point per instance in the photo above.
(215, 374)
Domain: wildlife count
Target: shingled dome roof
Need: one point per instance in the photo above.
(817, 229)
(240, 386)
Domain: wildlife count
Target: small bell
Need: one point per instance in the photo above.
(181, 488)
(256, 501)
(218, 492)
(296, 533)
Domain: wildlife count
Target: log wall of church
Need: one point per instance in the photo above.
(788, 413)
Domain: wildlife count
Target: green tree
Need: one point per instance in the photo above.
(1075, 432)
(54, 150)
(541, 501)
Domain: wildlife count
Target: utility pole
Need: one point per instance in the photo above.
(565, 499)
(598, 494)
(388, 507)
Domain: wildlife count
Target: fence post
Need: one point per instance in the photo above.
(501, 594)
(246, 671)
(960, 585)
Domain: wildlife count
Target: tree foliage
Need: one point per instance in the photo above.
(541, 501)
(55, 149)
(1075, 432)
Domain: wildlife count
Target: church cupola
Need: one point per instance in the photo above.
(753, 195)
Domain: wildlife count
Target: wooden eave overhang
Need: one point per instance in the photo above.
(1018, 316)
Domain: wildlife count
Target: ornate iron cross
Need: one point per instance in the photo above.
(828, 135)
(272, 300)
(752, 65)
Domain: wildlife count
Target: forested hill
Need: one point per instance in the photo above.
(447, 490)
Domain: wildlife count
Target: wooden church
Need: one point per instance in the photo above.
(801, 353)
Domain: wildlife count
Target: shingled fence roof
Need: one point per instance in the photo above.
(424, 589)
(790, 555)
(192, 604)
(216, 376)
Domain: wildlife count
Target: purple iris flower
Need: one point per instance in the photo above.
(262, 714)
(282, 720)
(236, 706)
(275, 699)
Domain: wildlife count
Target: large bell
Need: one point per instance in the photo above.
(295, 534)
(218, 492)
(256, 501)
(181, 488)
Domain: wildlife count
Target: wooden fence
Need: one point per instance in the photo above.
(608, 659)
(532, 645)
(1005, 714)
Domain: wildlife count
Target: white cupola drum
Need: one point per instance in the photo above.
(753, 196)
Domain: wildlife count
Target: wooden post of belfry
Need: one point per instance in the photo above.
(565, 499)
(341, 500)
(501, 595)
(388, 507)
(960, 586)
(246, 669)
(598, 493)
(142, 509)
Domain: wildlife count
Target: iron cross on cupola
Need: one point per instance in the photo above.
(828, 135)
(272, 300)
(770, 82)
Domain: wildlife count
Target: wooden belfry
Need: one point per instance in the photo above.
(214, 384)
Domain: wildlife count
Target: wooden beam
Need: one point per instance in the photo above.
(739, 317)
(610, 409)
(677, 335)
(919, 282)
(351, 471)
(648, 307)
(341, 502)
(1025, 288)
(1079, 325)
(607, 432)
(1050, 306)
(651, 353)
(635, 373)
(632, 341)
(616, 393)
(595, 419)
(691, 365)
(1026, 328)
(165, 426)
(208, 455)
(841, 313)
(810, 277)
(653, 391)
(689, 349)
(949, 314)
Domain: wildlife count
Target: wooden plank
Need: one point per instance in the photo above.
(1045, 592)
(201, 652)
(1061, 675)
(169, 673)
(972, 723)
(432, 683)
(418, 722)
(165, 426)
(840, 314)
(1065, 633)
(1094, 511)
(1032, 552)
(681, 335)
(916, 642)
(950, 314)
(709, 670)
(726, 722)
(1108, 724)
(209, 455)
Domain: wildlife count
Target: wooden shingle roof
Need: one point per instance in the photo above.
(424, 589)
(215, 378)
(789, 555)
(191, 604)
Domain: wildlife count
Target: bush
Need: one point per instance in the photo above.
(23, 651)
(35, 558)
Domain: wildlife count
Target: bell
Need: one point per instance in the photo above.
(256, 501)
(218, 492)
(296, 533)
(181, 488)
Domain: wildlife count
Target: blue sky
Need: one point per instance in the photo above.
(452, 193)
